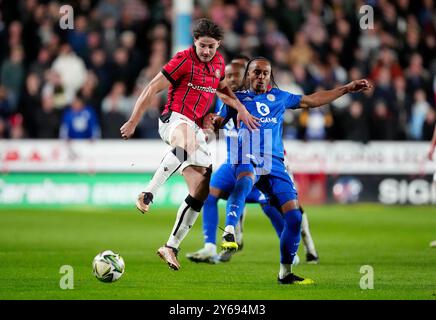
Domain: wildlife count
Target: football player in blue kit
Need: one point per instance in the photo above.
(259, 158)
(221, 185)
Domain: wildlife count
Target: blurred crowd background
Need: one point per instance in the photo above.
(83, 83)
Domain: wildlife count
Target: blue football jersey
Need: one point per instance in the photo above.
(229, 129)
(269, 107)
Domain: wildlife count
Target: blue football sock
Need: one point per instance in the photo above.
(236, 201)
(290, 237)
(276, 218)
(210, 219)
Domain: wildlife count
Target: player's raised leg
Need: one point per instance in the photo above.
(177, 133)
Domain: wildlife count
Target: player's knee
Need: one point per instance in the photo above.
(293, 217)
(217, 193)
(290, 205)
(244, 183)
(246, 174)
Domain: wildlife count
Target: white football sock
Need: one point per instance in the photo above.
(239, 228)
(229, 229)
(309, 245)
(285, 269)
(186, 216)
(210, 247)
(169, 164)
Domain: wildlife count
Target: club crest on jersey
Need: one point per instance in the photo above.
(218, 73)
(271, 97)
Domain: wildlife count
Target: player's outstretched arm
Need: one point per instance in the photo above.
(432, 145)
(159, 83)
(229, 98)
(321, 98)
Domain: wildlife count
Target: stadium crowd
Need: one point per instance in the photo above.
(82, 83)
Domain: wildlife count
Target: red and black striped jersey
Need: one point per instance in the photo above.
(193, 83)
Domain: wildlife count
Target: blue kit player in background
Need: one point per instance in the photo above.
(259, 158)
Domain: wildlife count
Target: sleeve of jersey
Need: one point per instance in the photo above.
(175, 68)
(226, 112)
(218, 106)
(293, 101)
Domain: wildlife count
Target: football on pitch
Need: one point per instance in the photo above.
(108, 266)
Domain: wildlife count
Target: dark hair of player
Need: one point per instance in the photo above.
(245, 80)
(207, 28)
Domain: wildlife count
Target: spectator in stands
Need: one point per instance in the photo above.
(420, 109)
(111, 121)
(383, 89)
(16, 129)
(79, 122)
(116, 101)
(403, 106)
(47, 119)
(93, 43)
(121, 69)
(77, 38)
(30, 103)
(128, 42)
(382, 123)
(301, 52)
(386, 60)
(109, 35)
(89, 93)
(101, 68)
(356, 123)
(416, 76)
(12, 76)
(54, 87)
(72, 71)
(42, 64)
(315, 123)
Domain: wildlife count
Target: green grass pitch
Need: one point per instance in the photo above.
(34, 244)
